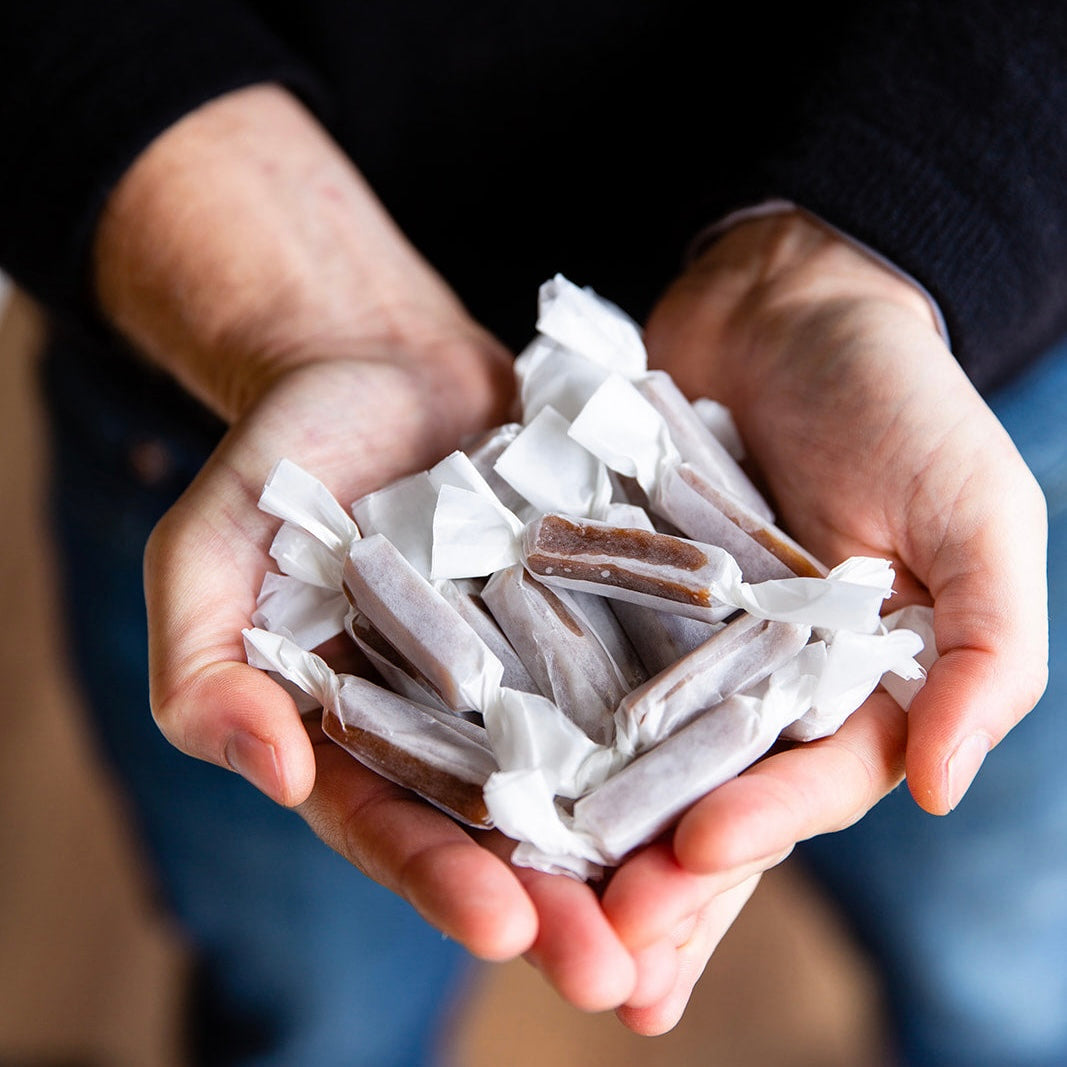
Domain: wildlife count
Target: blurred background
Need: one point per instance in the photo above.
(92, 973)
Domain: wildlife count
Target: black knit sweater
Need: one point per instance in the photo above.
(596, 138)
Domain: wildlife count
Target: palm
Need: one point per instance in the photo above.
(358, 424)
(871, 441)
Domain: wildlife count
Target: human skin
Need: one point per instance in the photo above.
(243, 253)
(870, 441)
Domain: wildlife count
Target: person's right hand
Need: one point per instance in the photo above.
(244, 254)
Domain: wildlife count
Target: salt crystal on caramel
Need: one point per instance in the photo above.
(645, 567)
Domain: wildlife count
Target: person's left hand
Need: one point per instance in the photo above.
(872, 443)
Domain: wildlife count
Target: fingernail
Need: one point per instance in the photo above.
(964, 765)
(256, 762)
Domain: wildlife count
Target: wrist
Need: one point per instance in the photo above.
(748, 294)
(242, 243)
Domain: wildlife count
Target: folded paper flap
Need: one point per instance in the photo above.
(527, 731)
(918, 619)
(552, 376)
(580, 320)
(303, 555)
(403, 511)
(311, 673)
(308, 614)
(622, 429)
(473, 535)
(523, 806)
(293, 495)
(552, 471)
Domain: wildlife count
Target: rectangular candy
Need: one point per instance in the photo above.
(560, 649)
(639, 802)
(741, 654)
(406, 744)
(642, 566)
(415, 619)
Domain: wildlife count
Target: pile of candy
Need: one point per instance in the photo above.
(583, 623)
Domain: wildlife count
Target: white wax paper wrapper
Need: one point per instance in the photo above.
(417, 621)
(473, 535)
(309, 548)
(485, 451)
(843, 671)
(303, 556)
(720, 422)
(583, 338)
(521, 804)
(274, 652)
(552, 376)
(297, 498)
(736, 658)
(403, 511)
(308, 614)
(621, 428)
(919, 619)
(561, 648)
(528, 732)
(552, 471)
(582, 321)
(849, 598)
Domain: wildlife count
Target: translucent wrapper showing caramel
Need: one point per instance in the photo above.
(585, 624)
(444, 759)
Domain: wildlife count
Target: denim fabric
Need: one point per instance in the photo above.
(300, 960)
(967, 915)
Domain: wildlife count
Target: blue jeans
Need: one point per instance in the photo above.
(967, 915)
(303, 962)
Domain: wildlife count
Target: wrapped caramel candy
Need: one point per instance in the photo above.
(560, 648)
(586, 624)
(734, 659)
(444, 759)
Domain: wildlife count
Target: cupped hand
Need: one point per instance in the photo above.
(871, 441)
(356, 423)
(244, 254)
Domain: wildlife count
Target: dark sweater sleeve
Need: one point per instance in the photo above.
(937, 134)
(84, 87)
